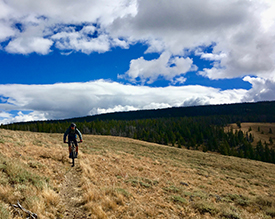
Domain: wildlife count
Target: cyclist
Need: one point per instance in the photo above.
(72, 133)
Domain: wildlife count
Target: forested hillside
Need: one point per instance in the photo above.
(197, 128)
(243, 112)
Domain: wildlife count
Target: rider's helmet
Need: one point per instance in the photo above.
(73, 126)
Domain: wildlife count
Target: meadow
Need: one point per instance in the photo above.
(118, 177)
(260, 131)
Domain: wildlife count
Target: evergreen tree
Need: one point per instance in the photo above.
(259, 151)
(267, 157)
(271, 141)
(238, 124)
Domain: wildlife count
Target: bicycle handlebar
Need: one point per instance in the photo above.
(77, 142)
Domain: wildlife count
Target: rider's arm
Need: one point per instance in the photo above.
(79, 134)
(65, 135)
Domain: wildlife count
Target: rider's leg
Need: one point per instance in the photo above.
(70, 149)
(76, 148)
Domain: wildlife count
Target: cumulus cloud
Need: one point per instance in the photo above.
(262, 89)
(6, 117)
(163, 66)
(43, 24)
(29, 45)
(241, 30)
(6, 31)
(183, 24)
(80, 99)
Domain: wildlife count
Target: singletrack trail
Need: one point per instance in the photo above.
(71, 194)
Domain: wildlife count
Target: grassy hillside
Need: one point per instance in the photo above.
(118, 177)
(260, 131)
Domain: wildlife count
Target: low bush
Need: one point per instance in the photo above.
(205, 207)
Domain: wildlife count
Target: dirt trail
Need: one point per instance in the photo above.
(71, 194)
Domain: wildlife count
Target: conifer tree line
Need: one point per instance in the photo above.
(206, 133)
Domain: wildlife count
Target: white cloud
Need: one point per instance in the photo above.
(183, 24)
(6, 118)
(210, 56)
(117, 108)
(78, 42)
(242, 31)
(163, 66)
(43, 21)
(30, 45)
(6, 31)
(5, 115)
(72, 12)
(79, 99)
(262, 89)
(84, 40)
(179, 80)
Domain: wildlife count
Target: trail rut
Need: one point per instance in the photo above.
(71, 194)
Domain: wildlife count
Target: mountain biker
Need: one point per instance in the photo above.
(72, 133)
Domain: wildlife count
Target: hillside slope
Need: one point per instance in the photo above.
(118, 177)
(260, 132)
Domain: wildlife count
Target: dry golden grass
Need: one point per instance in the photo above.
(29, 172)
(124, 178)
(260, 131)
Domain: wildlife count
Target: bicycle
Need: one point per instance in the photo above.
(73, 151)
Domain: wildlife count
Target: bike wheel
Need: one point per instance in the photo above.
(73, 154)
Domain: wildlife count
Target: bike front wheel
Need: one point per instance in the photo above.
(73, 153)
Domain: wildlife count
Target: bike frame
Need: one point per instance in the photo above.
(73, 151)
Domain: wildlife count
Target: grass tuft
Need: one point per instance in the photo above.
(18, 173)
(270, 212)
(124, 192)
(4, 213)
(264, 201)
(179, 199)
(238, 199)
(172, 189)
(205, 207)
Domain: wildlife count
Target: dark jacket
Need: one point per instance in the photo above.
(72, 134)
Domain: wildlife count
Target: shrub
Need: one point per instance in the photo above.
(205, 207)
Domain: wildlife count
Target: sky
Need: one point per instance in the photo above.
(64, 58)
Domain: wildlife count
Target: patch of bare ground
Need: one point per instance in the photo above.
(118, 177)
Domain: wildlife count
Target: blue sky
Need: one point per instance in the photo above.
(65, 59)
(78, 67)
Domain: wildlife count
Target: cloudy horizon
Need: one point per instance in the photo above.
(62, 59)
